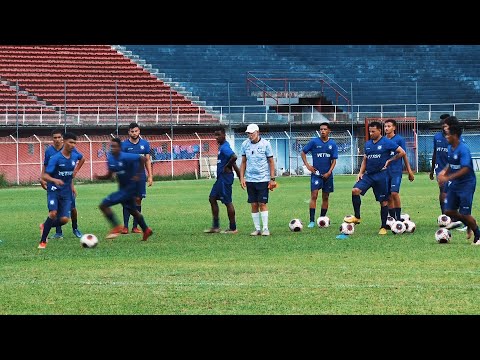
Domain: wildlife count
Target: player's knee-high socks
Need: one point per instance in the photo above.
(126, 216)
(356, 201)
(135, 222)
(384, 215)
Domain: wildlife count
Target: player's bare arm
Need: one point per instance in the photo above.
(399, 154)
(411, 175)
(78, 166)
(272, 184)
(305, 162)
(43, 183)
(329, 172)
(108, 176)
(229, 165)
(362, 168)
(148, 167)
(243, 167)
(47, 177)
(434, 159)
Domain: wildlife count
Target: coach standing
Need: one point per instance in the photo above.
(257, 174)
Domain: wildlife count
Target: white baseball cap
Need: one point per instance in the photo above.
(252, 128)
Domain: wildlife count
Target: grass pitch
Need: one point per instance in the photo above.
(180, 270)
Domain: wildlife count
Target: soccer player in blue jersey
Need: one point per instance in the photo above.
(324, 154)
(395, 170)
(257, 175)
(439, 161)
(58, 175)
(136, 145)
(56, 147)
(222, 189)
(373, 174)
(129, 169)
(460, 176)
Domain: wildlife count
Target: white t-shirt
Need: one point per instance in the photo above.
(257, 169)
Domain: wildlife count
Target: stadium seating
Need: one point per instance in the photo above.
(379, 74)
(90, 74)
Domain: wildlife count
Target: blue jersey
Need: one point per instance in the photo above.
(323, 152)
(50, 151)
(258, 169)
(440, 144)
(458, 158)
(126, 167)
(396, 167)
(59, 167)
(225, 152)
(142, 147)
(378, 153)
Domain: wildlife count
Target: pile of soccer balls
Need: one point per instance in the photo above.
(443, 235)
(404, 225)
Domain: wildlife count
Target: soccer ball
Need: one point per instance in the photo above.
(390, 221)
(444, 220)
(398, 227)
(404, 217)
(443, 236)
(88, 241)
(347, 228)
(323, 221)
(295, 225)
(409, 226)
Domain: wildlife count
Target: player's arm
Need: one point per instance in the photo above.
(434, 159)
(43, 183)
(148, 167)
(272, 184)
(243, 167)
(47, 177)
(333, 162)
(78, 166)
(363, 167)
(411, 175)
(400, 153)
(108, 176)
(305, 162)
(141, 168)
(230, 164)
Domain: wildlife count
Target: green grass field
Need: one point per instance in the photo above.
(180, 270)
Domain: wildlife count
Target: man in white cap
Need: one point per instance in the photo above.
(257, 174)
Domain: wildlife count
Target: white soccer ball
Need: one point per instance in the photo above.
(443, 220)
(398, 227)
(347, 228)
(404, 217)
(390, 221)
(88, 241)
(295, 225)
(409, 226)
(323, 222)
(443, 236)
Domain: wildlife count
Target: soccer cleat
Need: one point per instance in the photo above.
(256, 233)
(125, 230)
(117, 230)
(454, 225)
(59, 236)
(77, 233)
(148, 232)
(351, 219)
(212, 231)
(462, 228)
(266, 232)
(476, 242)
(311, 224)
(136, 230)
(382, 231)
(42, 245)
(230, 231)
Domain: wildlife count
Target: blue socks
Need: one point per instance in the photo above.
(126, 217)
(135, 222)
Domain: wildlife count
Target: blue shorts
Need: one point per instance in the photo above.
(317, 183)
(126, 198)
(222, 190)
(61, 203)
(257, 192)
(394, 183)
(378, 182)
(460, 200)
